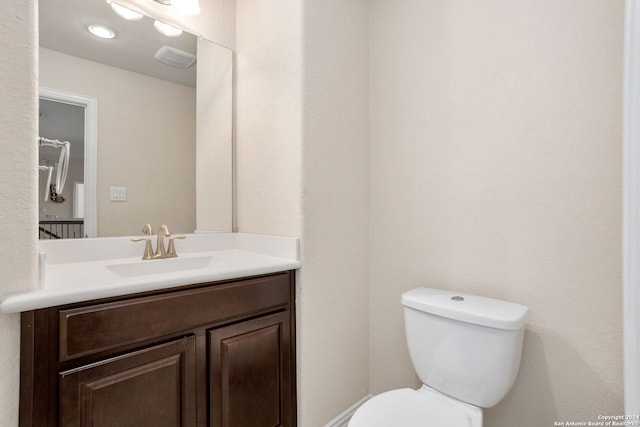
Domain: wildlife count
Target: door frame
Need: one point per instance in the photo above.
(90, 105)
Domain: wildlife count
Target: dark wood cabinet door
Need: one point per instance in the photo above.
(150, 387)
(251, 380)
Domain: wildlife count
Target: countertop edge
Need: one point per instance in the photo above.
(43, 298)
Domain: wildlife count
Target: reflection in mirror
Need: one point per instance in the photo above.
(147, 160)
(61, 210)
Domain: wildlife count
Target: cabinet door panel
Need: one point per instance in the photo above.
(249, 367)
(150, 387)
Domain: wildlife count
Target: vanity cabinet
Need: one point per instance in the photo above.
(218, 354)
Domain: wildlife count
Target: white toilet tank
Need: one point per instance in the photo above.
(465, 346)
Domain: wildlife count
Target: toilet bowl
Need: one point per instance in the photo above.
(466, 350)
(424, 407)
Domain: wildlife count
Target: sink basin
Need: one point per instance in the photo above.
(159, 266)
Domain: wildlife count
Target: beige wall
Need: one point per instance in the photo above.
(18, 183)
(333, 307)
(146, 144)
(268, 117)
(496, 170)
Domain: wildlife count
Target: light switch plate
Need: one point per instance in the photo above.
(118, 194)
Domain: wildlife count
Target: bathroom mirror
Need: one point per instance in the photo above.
(159, 147)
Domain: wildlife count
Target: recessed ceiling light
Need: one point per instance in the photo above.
(166, 29)
(126, 13)
(101, 31)
(186, 7)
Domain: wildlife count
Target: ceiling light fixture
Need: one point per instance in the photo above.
(101, 31)
(186, 7)
(125, 12)
(166, 29)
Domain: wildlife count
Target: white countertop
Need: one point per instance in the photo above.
(76, 270)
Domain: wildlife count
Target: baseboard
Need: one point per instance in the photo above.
(342, 420)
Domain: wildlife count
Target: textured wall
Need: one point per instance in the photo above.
(334, 303)
(268, 117)
(18, 183)
(495, 164)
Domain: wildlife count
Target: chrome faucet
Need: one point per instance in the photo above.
(160, 252)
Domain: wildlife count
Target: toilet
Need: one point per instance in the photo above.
(465, 349)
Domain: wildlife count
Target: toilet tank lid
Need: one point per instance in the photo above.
(474, 309)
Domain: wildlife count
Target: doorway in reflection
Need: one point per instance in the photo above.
(61, 207)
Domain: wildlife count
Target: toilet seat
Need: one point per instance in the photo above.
(410, 408)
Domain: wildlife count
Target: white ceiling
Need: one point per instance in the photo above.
(63, 26)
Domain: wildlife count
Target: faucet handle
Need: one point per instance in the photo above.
(171, 251)
(147, 229)
(148, 249)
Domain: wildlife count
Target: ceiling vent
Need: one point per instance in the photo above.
(175, 57)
